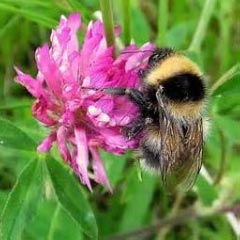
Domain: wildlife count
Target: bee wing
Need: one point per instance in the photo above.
(190, 156)
(193, 145)
(180, 155)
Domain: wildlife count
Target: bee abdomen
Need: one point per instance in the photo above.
(150, 154)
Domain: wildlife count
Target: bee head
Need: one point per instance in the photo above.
(159, 55)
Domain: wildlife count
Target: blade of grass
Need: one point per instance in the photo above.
(223, 158)
(8, 25)
(202, 25)
(107, 13)
(225, 77)
(30, 14)
(126, 22)
(225, 25)
(28, 3)
(162, 21)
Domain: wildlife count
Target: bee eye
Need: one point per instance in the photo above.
(160, 55)
(142, 73)
(154, 58)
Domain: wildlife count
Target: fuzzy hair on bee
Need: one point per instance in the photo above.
(171, 119)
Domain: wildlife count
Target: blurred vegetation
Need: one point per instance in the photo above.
(142, 209)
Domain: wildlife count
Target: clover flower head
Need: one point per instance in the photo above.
(81, 118)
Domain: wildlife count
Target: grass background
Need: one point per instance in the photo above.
(135, 204)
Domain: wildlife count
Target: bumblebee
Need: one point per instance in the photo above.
(171, 105)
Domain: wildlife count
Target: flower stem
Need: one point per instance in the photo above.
(226, 22)
(174, 212)
(106, 7)
(1, 91)
(126, 22)
(202, 25)
(225, 77)
(223, 158)
(162, 21)
(186, 215)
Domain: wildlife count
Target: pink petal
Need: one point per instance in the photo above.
(82, 156)
(140, 57)
(40, 110)
(64, 38)
(30, 83)
(90, 49)
(106, 104)
(115, 141)
(47, 142)
(74, 23)
(62, 144)
(99, 170)
(49, 69)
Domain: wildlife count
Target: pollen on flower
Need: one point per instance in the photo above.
(103, 117)
(112, 123)
(67, 88)
(63, 67)
(92, 110)
(81, 121)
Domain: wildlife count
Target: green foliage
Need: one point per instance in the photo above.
(41, 199)
(53, 222)
(71, 197)
(23, 201)
(207, 194)
(135, 201)
(13, 137)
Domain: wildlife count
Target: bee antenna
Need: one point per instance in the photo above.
(92, 88)
(137, 51)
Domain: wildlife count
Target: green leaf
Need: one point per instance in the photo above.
(29, 14)
(195, 57)
(15, 104)
(13, 137)
(41, 223)
(71, 197)
(207, 193)
(63, 226)
(138, 21)
(3, 199)
(230, 81)
(114, 166)
(138, 196)
(227, 102)
(22, 202)
(229, 127)
(52, 223)
(177, 35)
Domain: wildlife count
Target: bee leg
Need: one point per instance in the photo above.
(132, 131)
(133, 94)
(162, 103)
(160, 97)
(136, 127)
(148, 120)
(164, 116)
(118, 91)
